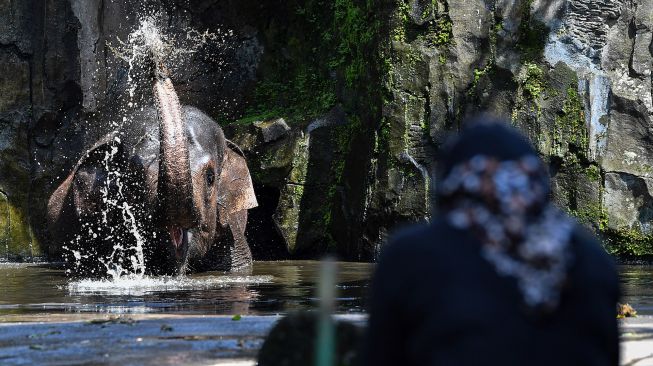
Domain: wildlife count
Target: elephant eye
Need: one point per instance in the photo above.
(210, 177)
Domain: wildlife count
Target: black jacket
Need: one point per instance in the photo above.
(436, 301)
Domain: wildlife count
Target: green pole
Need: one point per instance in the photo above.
(325, 343)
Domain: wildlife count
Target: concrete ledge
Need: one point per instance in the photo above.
(637, 341)
(189, 340)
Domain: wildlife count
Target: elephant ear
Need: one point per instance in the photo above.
(66, 203)
(235, 189)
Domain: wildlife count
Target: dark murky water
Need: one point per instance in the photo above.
(272, 287)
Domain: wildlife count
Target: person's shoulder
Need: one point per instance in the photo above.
(591, 254)
(410, 233)
(404, 257)
(589, 246)
(414, 240)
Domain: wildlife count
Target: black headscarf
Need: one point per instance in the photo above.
(492, 182)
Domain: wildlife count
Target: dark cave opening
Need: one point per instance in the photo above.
(264, 239)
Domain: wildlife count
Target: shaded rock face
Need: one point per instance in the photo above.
(296, 163)
(346, 104)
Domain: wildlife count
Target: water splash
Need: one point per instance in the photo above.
(151, 42)
(137, 285)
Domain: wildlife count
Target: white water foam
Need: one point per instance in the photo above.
(140, 285)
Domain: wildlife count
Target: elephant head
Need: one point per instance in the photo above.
(190, 188)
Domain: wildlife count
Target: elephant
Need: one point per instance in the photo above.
(163, 193)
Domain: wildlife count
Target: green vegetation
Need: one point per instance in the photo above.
(15, 231)
(628, 243)
(570, 131)
(342, 138)
(328, 45)
(593, 173)
(436, 29)
(532, 86)
(594, 215)
(440, 32)
(531, 79)
(530, 44)
(480, 73)
(403, 14)
(356, 28)
(303, 96)
(532, 34)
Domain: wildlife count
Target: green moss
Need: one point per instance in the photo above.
(331, 56)
(299, 190)
(328, 43)
(425, 126)
(17, 240)
(480, 73)
(531, 34)
(402, 15)
(628, 243)
(342, 137)
(594, 214)
(593, 173)
(436, 29)
(570, 131)
(440, 32)
(531, 79)
(356, 27)
(498, 25)
(301, 96)
(531, 88)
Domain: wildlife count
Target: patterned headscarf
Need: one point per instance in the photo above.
(503, 200)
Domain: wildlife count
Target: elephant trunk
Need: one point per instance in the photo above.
(175, 188)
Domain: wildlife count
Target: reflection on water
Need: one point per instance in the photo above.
(271, 288)
(637, 287)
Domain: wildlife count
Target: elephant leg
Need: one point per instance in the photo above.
(241, 255)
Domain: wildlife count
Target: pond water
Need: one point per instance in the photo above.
(271, 288)
(41, 290)
(637, 287)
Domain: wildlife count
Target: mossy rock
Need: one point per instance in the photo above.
(17, 241)
(286, 216)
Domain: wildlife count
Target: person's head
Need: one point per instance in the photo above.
(485, 143)
(492, 183)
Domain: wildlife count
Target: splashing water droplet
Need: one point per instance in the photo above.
(148, 43)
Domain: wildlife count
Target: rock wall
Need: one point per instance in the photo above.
(574, 75)
(341, 106)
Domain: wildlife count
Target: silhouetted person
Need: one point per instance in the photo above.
(500, 276)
